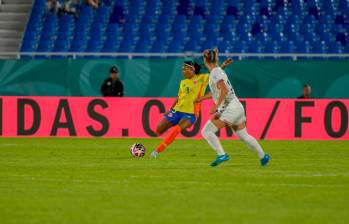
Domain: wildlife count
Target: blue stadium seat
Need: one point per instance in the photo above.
(272, 47)
(143, 46)
(288, 47)
(192, 46)
(45, 46)
(180, 19)
(146, 35)
(240, 47)
(195, 19)
(78, 45)
(110, 46)
(200, 11)
(29, 46)
(113, 29)
(175, 47)
(94, 46)
(191, 25)
(161, 27)
(163, 37)
(304, 47)
(158, 47)
(179, 36)
(210, 44)
(195, 36)
(342, 38)
(61, 46)
(225, 47)
(126, 46)
(214, 19)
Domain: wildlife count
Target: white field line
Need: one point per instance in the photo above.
(128, 179)
(8, 144)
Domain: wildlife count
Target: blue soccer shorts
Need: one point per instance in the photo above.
(175, 116)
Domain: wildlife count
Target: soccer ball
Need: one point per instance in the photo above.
(137, 150)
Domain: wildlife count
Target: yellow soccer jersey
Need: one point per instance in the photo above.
(189, 90)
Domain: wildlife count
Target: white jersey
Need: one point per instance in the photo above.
(216, 75)
(231, 110)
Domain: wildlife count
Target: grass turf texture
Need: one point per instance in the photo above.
(97, 181)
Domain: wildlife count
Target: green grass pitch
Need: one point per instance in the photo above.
(97, 181)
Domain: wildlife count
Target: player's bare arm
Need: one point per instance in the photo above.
(226, 63)
(174, 103)
(223, 90)
(206, 97)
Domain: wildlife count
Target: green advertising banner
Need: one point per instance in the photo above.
(161, 77)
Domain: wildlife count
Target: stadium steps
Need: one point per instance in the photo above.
(13, 18)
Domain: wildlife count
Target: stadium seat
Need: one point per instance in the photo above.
(191, 25)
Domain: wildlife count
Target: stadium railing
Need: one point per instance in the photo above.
(239, 56)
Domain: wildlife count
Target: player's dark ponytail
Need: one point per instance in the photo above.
(197, 68)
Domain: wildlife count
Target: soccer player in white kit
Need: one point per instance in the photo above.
(228, 111)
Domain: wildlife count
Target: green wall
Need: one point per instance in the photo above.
(160, 77)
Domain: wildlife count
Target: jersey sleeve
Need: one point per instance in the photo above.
(217, 75)
(180, 89)
(205, 81)
(204, 77)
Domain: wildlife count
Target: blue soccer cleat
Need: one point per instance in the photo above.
(220, 159)
(265, 160)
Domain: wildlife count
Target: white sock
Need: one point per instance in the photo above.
(251, 142)
(209, 133)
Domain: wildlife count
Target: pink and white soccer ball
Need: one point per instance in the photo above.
(137, 150)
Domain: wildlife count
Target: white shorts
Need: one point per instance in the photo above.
(233, 113)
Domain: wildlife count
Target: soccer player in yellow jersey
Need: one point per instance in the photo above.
(184, 112)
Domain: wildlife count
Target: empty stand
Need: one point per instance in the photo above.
(251, 26)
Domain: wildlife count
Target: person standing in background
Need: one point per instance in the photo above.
(306, 92)
(68, 7)
(53, 6)
(112, 86)
(93, 3)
